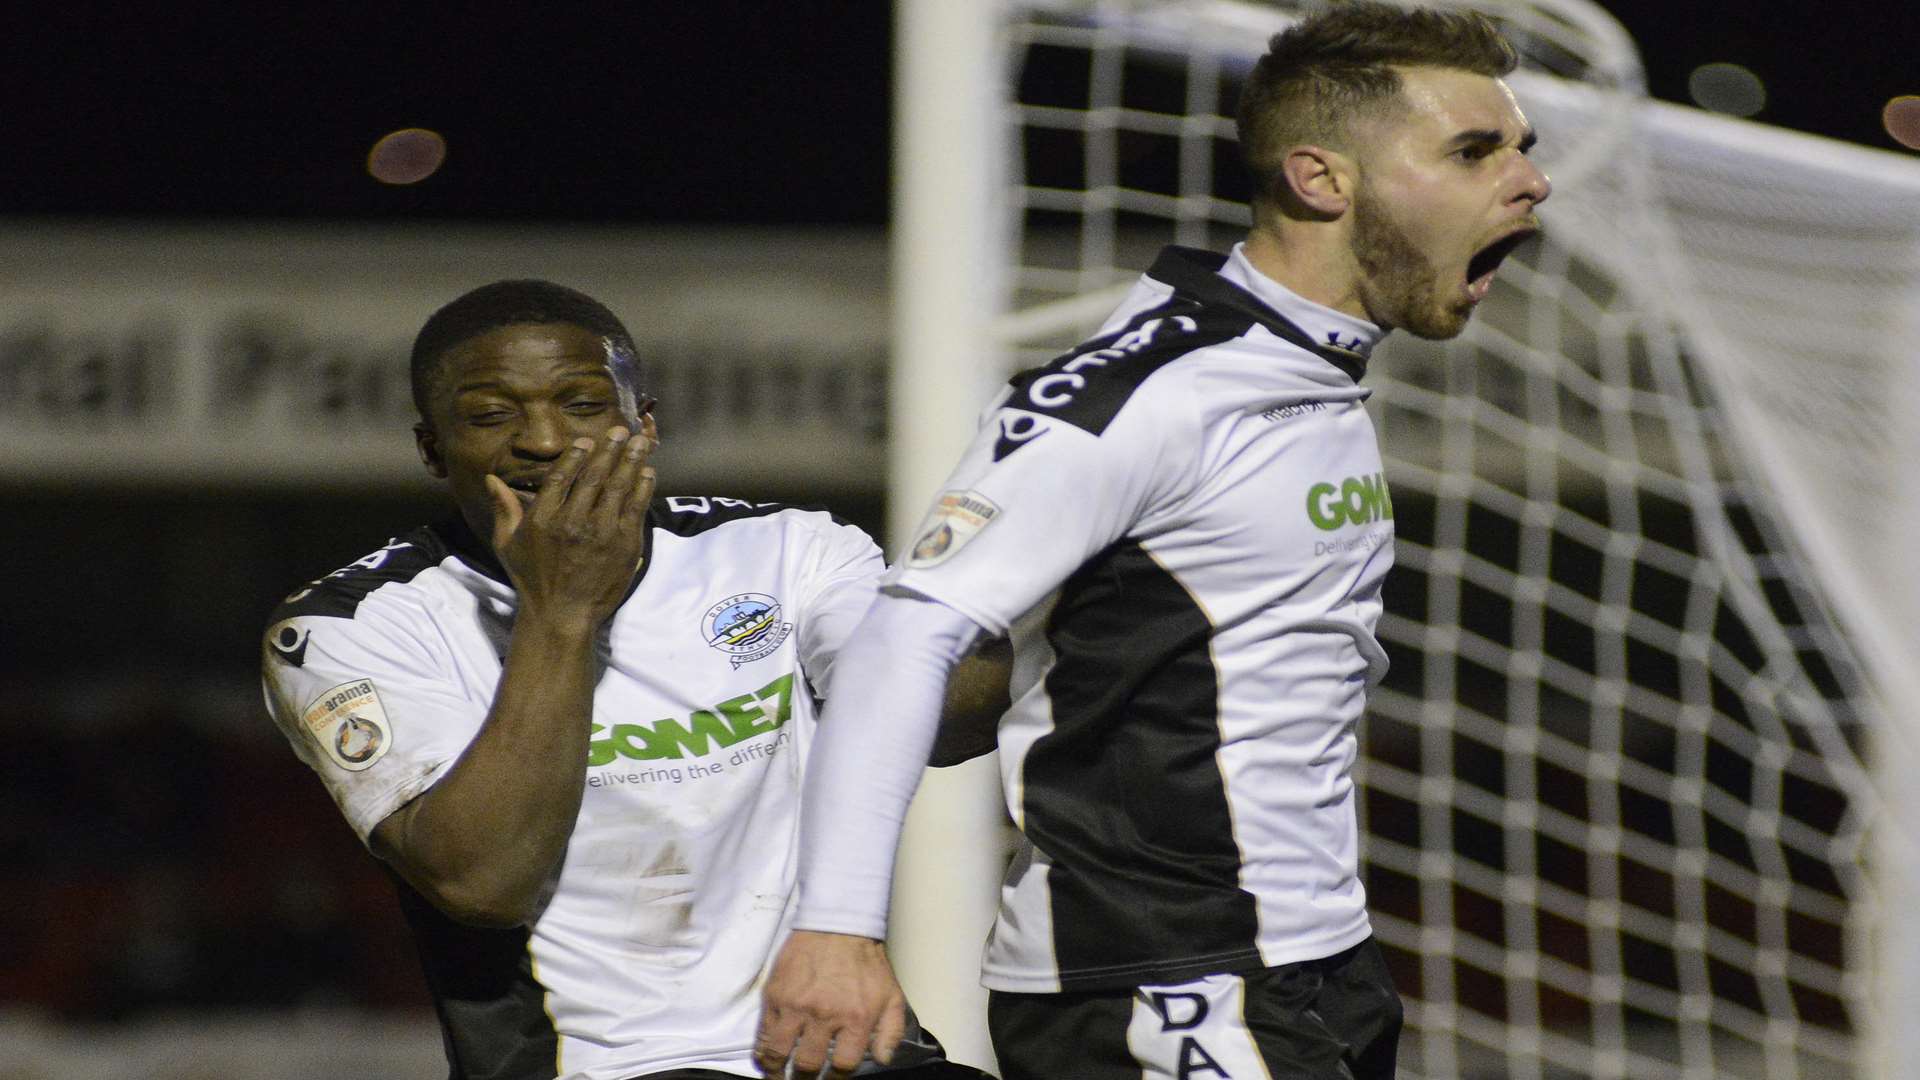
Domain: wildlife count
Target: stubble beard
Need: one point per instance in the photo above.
(1398, 279)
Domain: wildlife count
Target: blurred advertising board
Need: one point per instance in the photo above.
(277, 355)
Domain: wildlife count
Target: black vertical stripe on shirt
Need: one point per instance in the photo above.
(1125, 796)
(493, 1011)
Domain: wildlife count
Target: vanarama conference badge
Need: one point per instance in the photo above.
(349, 723)
(955, 519)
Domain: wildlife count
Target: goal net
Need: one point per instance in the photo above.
(1619, 817)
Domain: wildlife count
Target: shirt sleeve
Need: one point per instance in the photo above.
(1036, 496)
(369, 707)
(841, 575)
(876, 734)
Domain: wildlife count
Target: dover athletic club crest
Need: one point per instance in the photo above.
(746, 627)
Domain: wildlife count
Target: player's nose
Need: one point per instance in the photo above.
(542, 434)
(1533, 185)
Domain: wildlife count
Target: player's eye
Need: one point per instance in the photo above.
(1474, 152)
(586, 406)
(487, 417)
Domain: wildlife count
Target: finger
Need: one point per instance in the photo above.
(588, 485)
(886, 1036)
(622, 484)
(810, 1053)
(506, 511)
(651, 435)
(849, 1050)
(642, 499)
(770, 1063)
(644, 493)
(559, 481)
(775, 1044)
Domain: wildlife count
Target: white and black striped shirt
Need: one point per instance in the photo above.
(1184, 526)
(677, 882)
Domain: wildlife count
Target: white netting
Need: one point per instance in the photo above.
(1615, 791)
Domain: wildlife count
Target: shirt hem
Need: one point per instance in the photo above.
(1126, 976)
(1170, 971)
(1320, 950)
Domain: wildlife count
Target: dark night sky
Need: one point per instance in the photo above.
(708, 111)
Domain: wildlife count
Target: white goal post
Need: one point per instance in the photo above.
(1638, 796)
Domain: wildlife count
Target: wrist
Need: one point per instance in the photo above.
(556, 626)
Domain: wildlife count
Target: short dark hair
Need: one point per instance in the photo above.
(1324, 72)
(523, 302)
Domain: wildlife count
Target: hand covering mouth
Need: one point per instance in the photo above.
(526, 483)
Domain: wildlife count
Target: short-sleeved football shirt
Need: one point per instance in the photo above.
(678, 879)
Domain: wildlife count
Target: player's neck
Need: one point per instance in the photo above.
(1311, 260)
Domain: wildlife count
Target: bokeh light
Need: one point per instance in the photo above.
(407, 156)
(1901, 118)
(1727, 88)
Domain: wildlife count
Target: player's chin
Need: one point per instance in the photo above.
(1442, 322)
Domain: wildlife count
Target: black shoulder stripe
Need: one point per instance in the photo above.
(339, 594)
(1196, 274)
(689, 515)
(1088, 386)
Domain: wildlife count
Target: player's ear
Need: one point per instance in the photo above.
(425, 441)
(1320, 181)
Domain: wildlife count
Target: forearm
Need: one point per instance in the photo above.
(482, 841)
(875, 737)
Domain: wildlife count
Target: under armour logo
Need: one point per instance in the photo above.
(1357, 345)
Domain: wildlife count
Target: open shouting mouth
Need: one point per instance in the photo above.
(1486, 262)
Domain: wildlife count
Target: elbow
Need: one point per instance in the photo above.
(489, 918)
(467, 893)
(476, 904)
(472, 885)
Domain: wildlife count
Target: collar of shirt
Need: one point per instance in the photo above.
(1335, 329)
